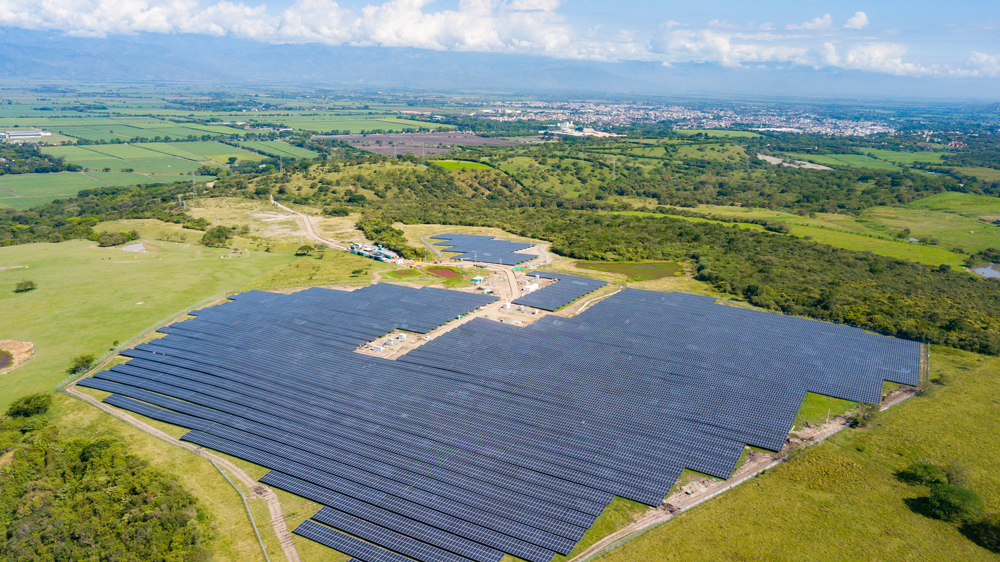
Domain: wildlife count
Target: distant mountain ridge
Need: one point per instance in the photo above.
(41, 55)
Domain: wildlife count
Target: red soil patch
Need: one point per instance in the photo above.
(442, 272)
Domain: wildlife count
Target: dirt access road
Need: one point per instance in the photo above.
(306, 222)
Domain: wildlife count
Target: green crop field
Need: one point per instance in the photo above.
(898, 157)
(840, 500)
(712, 152)
(985, 174)
(460, 165)
(89, 297)
(912, 251)
(276, 148)
(852, 160)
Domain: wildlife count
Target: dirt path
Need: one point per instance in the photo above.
(306, 221)
(256, 489)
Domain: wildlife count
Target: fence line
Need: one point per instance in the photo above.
(153, 327)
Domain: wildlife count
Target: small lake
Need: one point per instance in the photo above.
(988, 270)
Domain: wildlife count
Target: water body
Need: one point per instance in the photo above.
(988, 270)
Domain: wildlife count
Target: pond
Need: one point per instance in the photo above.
(988, 270)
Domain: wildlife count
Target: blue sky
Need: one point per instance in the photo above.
(959, 39)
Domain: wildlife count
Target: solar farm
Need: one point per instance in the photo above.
(485, 249)
(488, 439)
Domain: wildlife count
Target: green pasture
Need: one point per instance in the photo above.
(87, 297)
(60, 183)
(901, 157)
(911, 251)
(965, 204)
(840, 500)
(712, 152)
(851, 160)
(985, 174)
(716, 133)
(461, 165)
(278, 147)
(636, 271)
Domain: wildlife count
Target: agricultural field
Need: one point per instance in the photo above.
(24, 191)
(850, 160)
(903, 158)
(460, 165)
(841, 500)
(278, 148)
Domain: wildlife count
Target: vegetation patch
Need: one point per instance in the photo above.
(461, 165)
(636, 271)
(403, 273)
(89, 498)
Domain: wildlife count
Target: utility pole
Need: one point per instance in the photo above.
(181, 202)
(614, 162)
(281, 165)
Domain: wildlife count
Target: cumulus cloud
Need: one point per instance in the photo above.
(979, 64)
(816, 23)
(883, 57)
(858, 21)
(532, 26)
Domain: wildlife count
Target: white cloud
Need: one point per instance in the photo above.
(858, 21)
(979, 64)
(817, 23)
(883, 57)
(765, 27)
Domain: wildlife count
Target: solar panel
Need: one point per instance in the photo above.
(484, 249)
(489, 439)
(565, 290)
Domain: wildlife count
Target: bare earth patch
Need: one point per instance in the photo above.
(21, 351)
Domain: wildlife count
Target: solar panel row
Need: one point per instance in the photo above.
(565, 290)
(485, 249)
(490, 439)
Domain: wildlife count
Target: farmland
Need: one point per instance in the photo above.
(851, 160)
(29, 190)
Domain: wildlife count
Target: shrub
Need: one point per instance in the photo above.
(777, 226)
(25, 286)
(30, 405)
(81, 362)
(922, 473)
(336, 211)
(864, 415)
(111, 239)
(952, 502)
(218, 236)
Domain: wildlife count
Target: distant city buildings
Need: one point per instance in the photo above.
(624, 115)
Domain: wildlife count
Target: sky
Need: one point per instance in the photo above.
(916, 38)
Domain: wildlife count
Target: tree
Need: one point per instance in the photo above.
(81, 362)
(30, 405)
(951, 502)
(304, 250)
(232, 160)
(218, 236)
(25, 286)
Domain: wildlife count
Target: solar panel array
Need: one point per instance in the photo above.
(485, 249)
(490, 439)
(565, 290)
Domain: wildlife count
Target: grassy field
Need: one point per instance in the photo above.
(276, 148)
(840, 500)
(460, 165)
(851, 160)
(912, 251)
(899, 157)
(88, 298)
(636, 271)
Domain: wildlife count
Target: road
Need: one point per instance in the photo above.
(306, 221)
